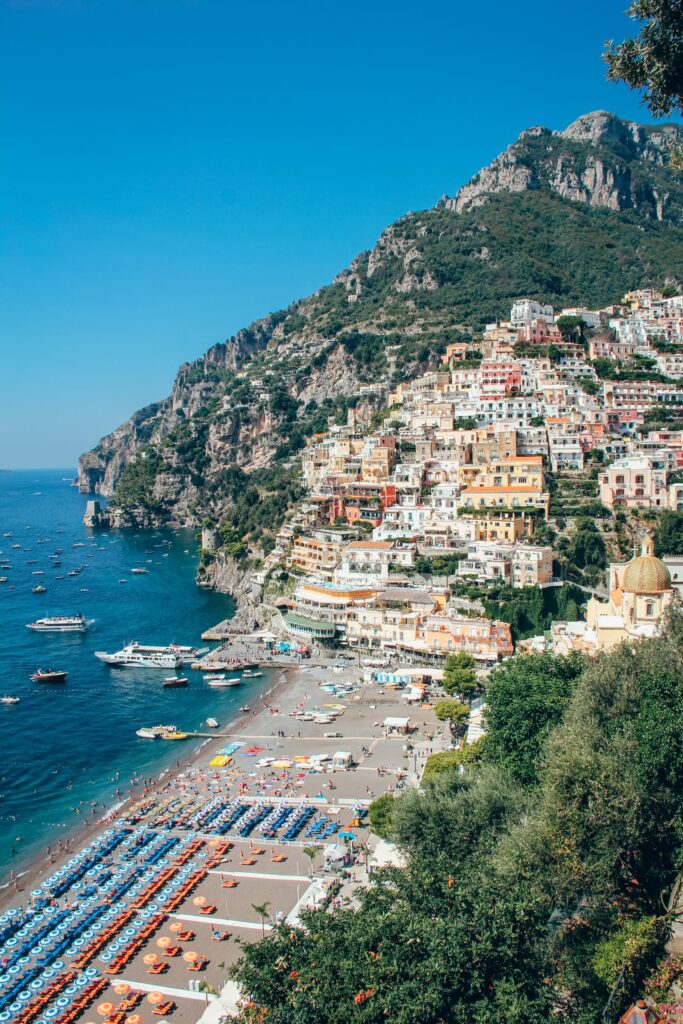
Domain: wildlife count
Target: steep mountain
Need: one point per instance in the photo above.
(577, 216)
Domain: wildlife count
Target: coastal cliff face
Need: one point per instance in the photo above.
(577, 216)
(598, 160)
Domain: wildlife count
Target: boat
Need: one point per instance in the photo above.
(141, 656)
(155, 732)
(60, 624)
(4, 579)
(49, 675)
(248, 674)
(7, 699)
(73, 572)
(174, 681)
(245, 708)
(38, 590)
(212, 723)
(139, 572)
(220, 683)
(209, 676)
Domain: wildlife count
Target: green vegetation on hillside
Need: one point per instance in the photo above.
(537, 881)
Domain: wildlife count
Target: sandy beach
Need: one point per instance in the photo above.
(207, 857)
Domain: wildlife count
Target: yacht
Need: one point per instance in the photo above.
(7, 699)
(141, 656)
(61, 624)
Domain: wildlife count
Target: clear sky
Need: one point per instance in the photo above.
(173, 169)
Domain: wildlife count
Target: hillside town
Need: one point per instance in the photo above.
(473, 477)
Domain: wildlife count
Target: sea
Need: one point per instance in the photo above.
(69, 753)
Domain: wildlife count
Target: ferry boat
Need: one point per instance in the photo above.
(49, 675)
(140, 656)
(60, 624)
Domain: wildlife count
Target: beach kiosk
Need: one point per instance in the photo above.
(336, 856)
(342, 759)
(396, 726)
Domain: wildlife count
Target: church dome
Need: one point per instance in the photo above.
(646, 574)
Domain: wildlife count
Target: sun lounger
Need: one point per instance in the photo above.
(162, 1008)
(209, 909)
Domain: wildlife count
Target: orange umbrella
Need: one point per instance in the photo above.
(150, 958)
(134, 1018)
(215, 842)
(163, 941)
(154, 997)
(190, 956)
(176, 926)
(104, 1009)
(122, 989)
(199, 901)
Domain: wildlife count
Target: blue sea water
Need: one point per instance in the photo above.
(64, 746)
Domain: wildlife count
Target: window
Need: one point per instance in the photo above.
(650, 608)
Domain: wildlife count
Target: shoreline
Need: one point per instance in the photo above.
(29, 876)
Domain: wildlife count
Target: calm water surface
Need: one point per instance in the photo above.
(63, 747)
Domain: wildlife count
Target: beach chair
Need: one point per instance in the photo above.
(186, 936)
(208, 909)
(158, 968)
(229, 883)
(163, 1008)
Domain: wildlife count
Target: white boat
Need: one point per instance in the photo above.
(212, 723)
(221, 683)
(248, 674)
(9, 700)
(60, 624)
(4, 579)
(38, 590)
(139, 572)
(208, 676)
(155, 732)
(140, 656)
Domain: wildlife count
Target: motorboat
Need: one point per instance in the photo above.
(212, 723)
(219, 684)
(38, 590)
(7, 699)
(4, 579)
(248, 674)
(136, 655)
(60, 624)
(245, 708)
(171, 682)
(155, 732)
(209, 676)
(49, 675)
(139, 572)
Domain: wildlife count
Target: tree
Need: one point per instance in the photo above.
(381, 812)
(311, 852)
(586, 546)
(262, 910)
(459, 676)
(526, 697)
(451, 711)
(653, 60)
(668, 534)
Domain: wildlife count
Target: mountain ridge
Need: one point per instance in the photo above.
(434, 276)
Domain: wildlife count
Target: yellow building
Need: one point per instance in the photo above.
(640, 591)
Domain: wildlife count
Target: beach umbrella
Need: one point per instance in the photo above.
(150, 958)
(154, 997)
(134, 1018)
(122, 989)
(104, 1009)
(199, 901)
(176, 926)
(190, 956)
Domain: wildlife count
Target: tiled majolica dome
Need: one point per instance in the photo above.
(646, 574)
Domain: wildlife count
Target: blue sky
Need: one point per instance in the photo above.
(173, 169)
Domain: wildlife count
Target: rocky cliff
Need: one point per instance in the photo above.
(598, 160)
(576, 216)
